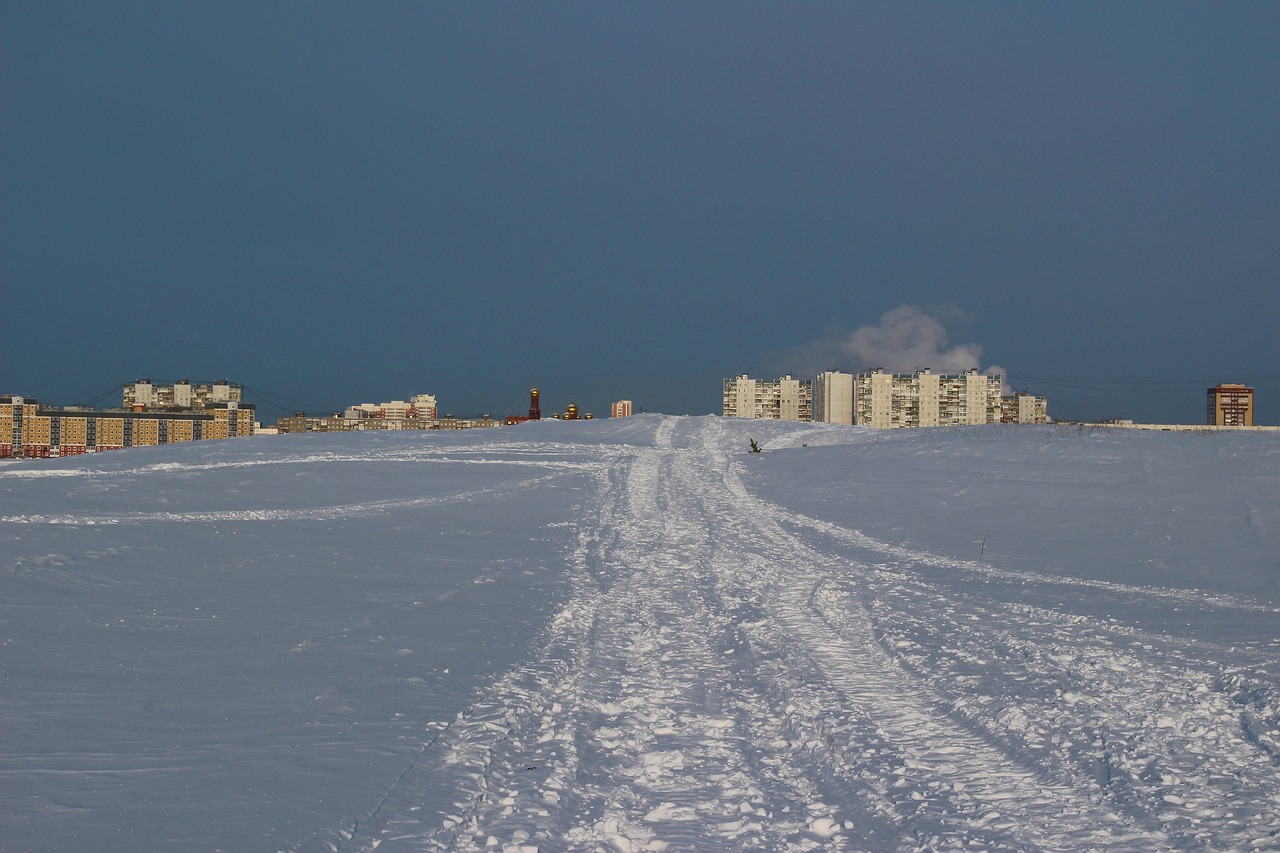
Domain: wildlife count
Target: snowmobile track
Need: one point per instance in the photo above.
(728, 675)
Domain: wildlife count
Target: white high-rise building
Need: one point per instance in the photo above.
(795, 399)
(142, 395)
(786, 398)
(419, 407)
(1024, 408)
(893, 400)
(740, 398)
(833, 397)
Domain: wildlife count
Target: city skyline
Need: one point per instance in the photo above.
(637, 201)
(1130, 396)
(797, 398)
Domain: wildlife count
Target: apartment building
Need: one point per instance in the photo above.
(741, 399)
(301, 422)
(419, 407)
(1229, 405)
(621, 409)
(895, 400)
(28, 429)
(143, 395)
(1024, 408)
(421, 411)
(833, 397)
(785, 398)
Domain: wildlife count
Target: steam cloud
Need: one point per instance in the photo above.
(906, 340)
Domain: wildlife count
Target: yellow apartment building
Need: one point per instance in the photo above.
(30, 430)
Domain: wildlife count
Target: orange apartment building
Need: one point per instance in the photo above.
(1229, 405)
(31, 430)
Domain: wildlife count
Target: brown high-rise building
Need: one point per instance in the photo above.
(1230, 405)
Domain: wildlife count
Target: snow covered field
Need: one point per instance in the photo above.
(634, 635)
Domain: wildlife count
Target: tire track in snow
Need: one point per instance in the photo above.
(1163, 725)
(718, 681)
(320, 513)
(484, 454)
(909, 556)
(673, 765)
(1166, 726)
(949, 785)
(627, 733)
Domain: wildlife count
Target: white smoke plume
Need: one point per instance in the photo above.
(907, 339)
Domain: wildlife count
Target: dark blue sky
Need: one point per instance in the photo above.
(342, 202)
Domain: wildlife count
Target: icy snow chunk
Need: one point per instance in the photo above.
(824, 827)
(670, 811)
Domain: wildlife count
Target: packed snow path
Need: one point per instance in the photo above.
(730, 675)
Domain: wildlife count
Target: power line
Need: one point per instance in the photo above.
(285, 404)
(95, 400)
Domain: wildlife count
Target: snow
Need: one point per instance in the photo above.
(635, 635)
